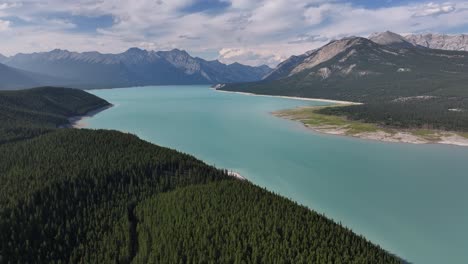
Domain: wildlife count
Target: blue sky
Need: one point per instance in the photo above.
(247, 31)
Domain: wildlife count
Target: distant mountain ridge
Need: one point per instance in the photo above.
(132, 67)
(15, 78)
(12, 78)
(386, 66)
(440, 41)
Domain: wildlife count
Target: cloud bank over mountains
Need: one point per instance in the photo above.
(251, 32)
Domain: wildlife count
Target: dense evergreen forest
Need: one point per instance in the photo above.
(28, 113)
(63, 191)
(98, 196)
(237, 222)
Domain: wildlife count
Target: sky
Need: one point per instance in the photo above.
(252, 32)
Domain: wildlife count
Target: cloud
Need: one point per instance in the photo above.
(433, 9)
(233, 54)
(58, 24)
(188, 37)
(4, 6)
(252, 32)
(4, 25)
(249, 56)
(307, 38)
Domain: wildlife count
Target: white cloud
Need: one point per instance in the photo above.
(316, 15)
(4, 25)
(269, 54)
(434, 9)
(253, 32)
(4, 6)
(248, 56)
(308, 38)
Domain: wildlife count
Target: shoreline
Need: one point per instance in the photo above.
(404, 136)
(400, 136)
(294, 97)
(76, 121)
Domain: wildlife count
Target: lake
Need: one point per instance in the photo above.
(410, 199)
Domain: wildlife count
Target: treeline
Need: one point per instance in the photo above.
(28, 113)
(442, 113)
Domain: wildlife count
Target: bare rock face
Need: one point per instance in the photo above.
(310, 59)
(324, 72)
(440, 41)
(325, 53)
(386, 38)
(389, 38)
(284, 68)
(182, 60)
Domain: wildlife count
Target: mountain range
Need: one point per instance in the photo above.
(133, 67)
(375, 61)
(440, 41)
(384, 66)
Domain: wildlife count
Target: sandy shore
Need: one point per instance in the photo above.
(442, 137)
(449, 138)
(79, 121)
(293, 97)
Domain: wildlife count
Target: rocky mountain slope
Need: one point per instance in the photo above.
(440, 41)
(285, 68)
(133, 67)
(362, 70)
(389, 38)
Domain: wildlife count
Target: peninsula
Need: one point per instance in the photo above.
(319, 119)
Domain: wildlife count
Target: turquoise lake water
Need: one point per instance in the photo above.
(410, 199)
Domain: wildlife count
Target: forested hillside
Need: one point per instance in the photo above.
(26, 113)
(401, 84)
(357, 69)
(97, 196)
